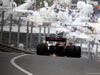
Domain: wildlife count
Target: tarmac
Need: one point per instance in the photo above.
(47, 65)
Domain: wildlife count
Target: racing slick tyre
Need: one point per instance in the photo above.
(60, 51)
(42, 49)
(70, 51)
(78, 51)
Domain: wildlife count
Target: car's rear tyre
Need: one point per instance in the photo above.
(42, 49)
(70, 51)
(78, 51)
(73, 51)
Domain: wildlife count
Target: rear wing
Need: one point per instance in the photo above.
(56, 39)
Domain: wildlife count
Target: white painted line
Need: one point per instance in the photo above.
(18, 67)
(92, 73)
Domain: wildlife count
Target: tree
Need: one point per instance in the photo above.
(37, 2)
(19, 1)
(49, 2)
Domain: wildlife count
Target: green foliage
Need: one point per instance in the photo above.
(19, 1)
(37, 2)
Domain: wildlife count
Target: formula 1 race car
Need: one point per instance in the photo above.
(58, 47)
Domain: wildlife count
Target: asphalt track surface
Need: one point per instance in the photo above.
(47, 65)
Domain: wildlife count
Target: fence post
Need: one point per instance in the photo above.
(44, 32)
(48, 31)
(31, 36)
(73, 39)
(56, 33)
(97, 51)
(39, 39)
(10, 29)
(89, 50)
(2, 24)
(18, 34)
(27, 36)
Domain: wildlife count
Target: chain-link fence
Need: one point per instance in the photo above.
(15, 33)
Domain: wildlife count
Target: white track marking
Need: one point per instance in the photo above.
(18, 67)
